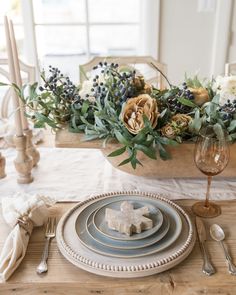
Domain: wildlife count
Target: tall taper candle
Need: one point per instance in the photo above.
(18, 123)
(18, 75)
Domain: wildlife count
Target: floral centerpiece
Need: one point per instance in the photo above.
(117, 103)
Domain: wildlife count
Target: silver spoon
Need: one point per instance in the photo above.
(218, 235)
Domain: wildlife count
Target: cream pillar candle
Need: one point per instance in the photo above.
(18, 123)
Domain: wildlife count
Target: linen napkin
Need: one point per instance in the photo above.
(21, 213)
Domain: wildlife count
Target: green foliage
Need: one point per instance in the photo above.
(193, 82)
(98, 113)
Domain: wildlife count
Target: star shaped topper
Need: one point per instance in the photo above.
(128, 220)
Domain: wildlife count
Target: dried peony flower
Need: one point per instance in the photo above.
(200, 95)
(139, 83)
(135, 108)
(178, 124)
(181, 120)
(226, 88)
(147, 88)
(169, 131)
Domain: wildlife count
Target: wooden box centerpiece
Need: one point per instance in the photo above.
(181, 164)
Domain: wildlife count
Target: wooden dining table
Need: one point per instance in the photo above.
(63, 277)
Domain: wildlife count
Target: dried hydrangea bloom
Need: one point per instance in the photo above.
(226, 88)
(135, 108)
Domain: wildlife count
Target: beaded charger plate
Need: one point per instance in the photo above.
(89, 260)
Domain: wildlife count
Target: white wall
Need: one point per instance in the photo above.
(232, 46)
(186, 38)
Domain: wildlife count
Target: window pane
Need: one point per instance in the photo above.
(11, 8)
(112, 40)
(114, 10)
(61, 40)
(61, 11)
(19, 33)
(63, 47)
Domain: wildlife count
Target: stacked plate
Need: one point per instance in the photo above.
(85, 239)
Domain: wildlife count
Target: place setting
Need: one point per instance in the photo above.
(125, 234)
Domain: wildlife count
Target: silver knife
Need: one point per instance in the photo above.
(207, 267)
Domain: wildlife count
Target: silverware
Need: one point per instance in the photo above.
(49, 234)
(218, 235)
(207, 267)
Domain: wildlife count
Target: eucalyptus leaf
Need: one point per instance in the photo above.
(46, 119)
(196, 123)
(117, 152)
(163, 153)
(149, 151)
(232, 126)
(133, 162)
(167, 141)
(232, 136)
(90, 137)
(218, 131)
(126, 161)
(141, 136)
(85, 107)
(187, 102)
(147, 123)
(163, 113)
(39, 124)
(121, 138)
(4, 84)
(216, 99)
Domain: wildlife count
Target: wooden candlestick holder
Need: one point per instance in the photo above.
(30, 147)
(2, 166)
(23, 163)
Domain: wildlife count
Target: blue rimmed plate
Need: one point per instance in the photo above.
(130, 244)
(86, 239)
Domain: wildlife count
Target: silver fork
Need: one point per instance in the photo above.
(49, 234)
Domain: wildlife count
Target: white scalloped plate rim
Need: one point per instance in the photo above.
(124, 271)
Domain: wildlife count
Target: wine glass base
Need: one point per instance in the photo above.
(201, 210)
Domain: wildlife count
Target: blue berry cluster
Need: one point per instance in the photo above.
(228, 110)
(121, 86)
(62, 87)
(175, 105)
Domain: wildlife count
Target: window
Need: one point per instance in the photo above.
(66, 33)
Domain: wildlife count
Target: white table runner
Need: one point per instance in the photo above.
(75, 174)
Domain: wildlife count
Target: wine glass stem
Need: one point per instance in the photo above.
(209, 178)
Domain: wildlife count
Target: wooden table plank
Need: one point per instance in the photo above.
(64, 278)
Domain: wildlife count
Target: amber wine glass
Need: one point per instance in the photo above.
(211, 156)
